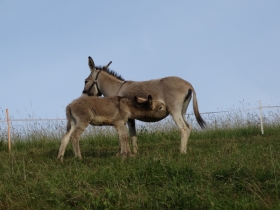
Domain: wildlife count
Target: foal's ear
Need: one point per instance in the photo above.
(150, 99)
(91, 64)
(140, 100)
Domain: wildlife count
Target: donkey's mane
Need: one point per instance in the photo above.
(109, 71)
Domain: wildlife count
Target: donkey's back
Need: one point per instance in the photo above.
(161, 89)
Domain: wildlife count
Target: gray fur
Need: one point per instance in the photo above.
(174, 92)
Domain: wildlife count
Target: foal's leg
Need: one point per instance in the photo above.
(132, 133)
(75, 136)
(124, 149)
(64, 141)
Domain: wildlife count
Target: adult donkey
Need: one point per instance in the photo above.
(174, 92)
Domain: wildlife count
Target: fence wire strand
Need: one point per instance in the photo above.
(23, 129)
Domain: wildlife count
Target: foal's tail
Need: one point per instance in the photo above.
(69, 118)
(198, 117)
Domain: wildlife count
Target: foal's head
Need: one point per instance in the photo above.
(149, 104)
(148, 110)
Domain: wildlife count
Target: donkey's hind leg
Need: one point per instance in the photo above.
(185, 130)
(184, 108)
(180, 120)
(64, 141)
(132, 133)
(75, 136)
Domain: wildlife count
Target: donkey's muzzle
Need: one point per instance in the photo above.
(90, 94)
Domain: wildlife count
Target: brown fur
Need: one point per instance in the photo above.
(114, 111)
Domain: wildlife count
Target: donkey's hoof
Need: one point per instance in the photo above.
(79, 157)
(60, 159)
(124, 155)
(135, 150)
(134, 153)
(128, 155)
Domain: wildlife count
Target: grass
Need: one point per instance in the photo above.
(228, 166)
(224, 169)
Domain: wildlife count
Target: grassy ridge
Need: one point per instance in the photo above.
(223, 169)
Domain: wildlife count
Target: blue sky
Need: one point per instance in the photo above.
(228, 50)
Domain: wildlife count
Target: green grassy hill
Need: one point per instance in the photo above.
(223, 169)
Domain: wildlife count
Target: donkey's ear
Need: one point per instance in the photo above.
(91, 64)
(150, 99)
(140, 100)
(106, 67)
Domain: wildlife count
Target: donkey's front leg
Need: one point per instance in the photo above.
(132, 133)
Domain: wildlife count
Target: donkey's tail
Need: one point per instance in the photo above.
(69, 118)
(198, 117)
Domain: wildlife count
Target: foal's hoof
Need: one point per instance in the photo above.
(128, 155)
(124, 155)
(131, 155)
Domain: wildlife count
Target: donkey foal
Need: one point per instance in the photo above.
(114, 111)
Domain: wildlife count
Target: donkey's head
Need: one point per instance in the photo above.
(91, 86)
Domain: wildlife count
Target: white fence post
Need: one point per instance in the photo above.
(9, 133)
(261, 118)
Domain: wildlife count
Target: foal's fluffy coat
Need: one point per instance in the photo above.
(113, 111)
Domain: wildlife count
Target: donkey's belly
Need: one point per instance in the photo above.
(153, 117)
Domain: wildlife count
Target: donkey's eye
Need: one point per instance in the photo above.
(86, 82)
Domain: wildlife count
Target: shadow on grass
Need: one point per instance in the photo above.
(97, 153)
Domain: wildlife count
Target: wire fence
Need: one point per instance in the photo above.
(27, 129)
